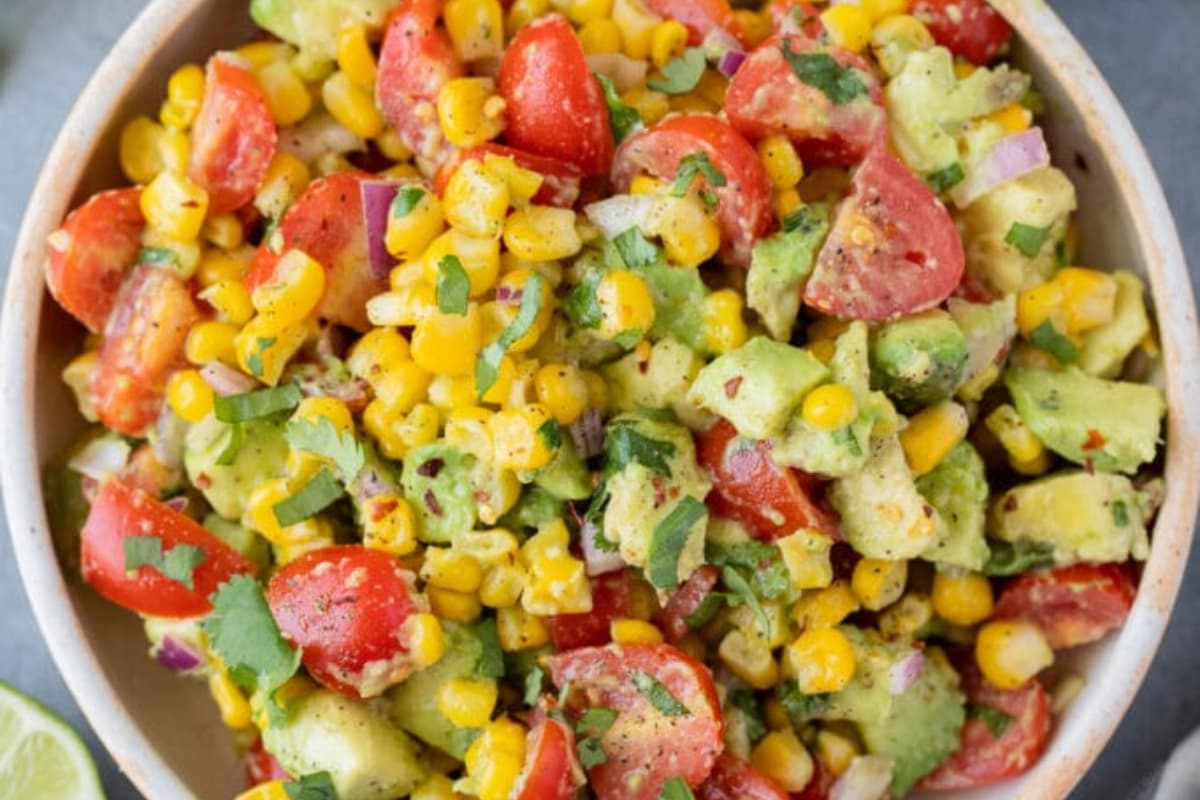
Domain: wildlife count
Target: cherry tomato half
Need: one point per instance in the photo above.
(971, 29)
(551, 765)
(561, 180)
(610, 600)
(701, 17)
(734, 779)
(1072, 605)
(685, 601)
(261, 767)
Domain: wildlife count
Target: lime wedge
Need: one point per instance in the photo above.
(40, 756)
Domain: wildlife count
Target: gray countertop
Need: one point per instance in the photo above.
(1145, 48)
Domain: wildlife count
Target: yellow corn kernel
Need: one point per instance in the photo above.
(234, 708)
(690, 235)
(78, 376)
(625, 304)
(894, 37)
(287, 176)
(597, 390)
(401, 386)
(446, 344)
(396, 434)
(140, 149)
(558, 582)
(376, 352)
(836, 751)
(600, 36)
(1039, 304)
(293, 292)
(582, 12)
(218, 265)
(782, 163)
(351, 105)
(724, 326)
(517, 629)
(189, 396)
(712, 87)
(651, 107)
(271, 790)
(932, 433)
(882, 9)
(523, 183)
(1011, 652)
(354, 56)
(224, 231)
(634, 631)
(637, 25)
(1013, 118)
(647, 184)
(437, 787)
(476, 28)
(392, 146)
(755, 26)
(454, 606)
(478, 255)
(542, 233)
(502, 586)
(1018, 440)
(475, 200)
(964, 70)
(211, 341)
(829, 407)
(748, 657)
(469, 111)
(826, 608)
(668, 40)
(389, 525)
(519, 438)
(502, 314)
(405, 305)
(313, 409)
(174, 206)
(185, 90)
(260, 511)
(263, 349)
(288, 98)
(806, 556)
(780, 756)
(230, 300)
(522, 12)
(426, 644)
(450, 569)
(495, 758)
(849, 26)
(175, 148)
(964, 599)
(467, 703)
(879, 583)
(1031, 467)
(822, 660)
(1089, 298)
(785, 202)
(452, 391)
(259, 54)
(561, 388)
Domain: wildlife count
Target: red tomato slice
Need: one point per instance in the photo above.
(765, 97)
(119, 512)
(749, 486)
(984, 759)
(415, 62)
(744, 212)
(143, 344)
(971, 29)
(1072, 605)
(346, 608)
(645, 747)
(327, 223)
(734, 779)
(893, 250)
(685, 600)
(561, 179)
(233, 137)
(819, 787)
(700, 17)
(793, 16)
(89, 255)
(555, 106)
(261, 767)
(610, 600)
(551, 765)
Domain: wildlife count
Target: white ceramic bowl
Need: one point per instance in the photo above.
(163, 730)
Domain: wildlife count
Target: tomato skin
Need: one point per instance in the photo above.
(744, 212)
(326, 222)
(791, 16)
(983, 759)
(233, 137)
(415, 62)
(346, 607)
(685, 600)
(644, 743)
(700, 17)
(555, 106)
(143, 344)
(749, 486)
(550, 764)
(766, 97)
(610, 600)
(893, 249)
(104, 239)
(119, 512)
(1072, 605)
(821, 784)
(734, 779)
(261, 767)
(560, 179)
(973, 29)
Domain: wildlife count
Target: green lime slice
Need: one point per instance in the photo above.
(40, 755)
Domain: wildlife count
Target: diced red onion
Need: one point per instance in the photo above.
(718, 42)
(617, 214)
(509, 295)
(377, 197)
(318, 135)
(170, 434)
(1009, 159)
(730, 62)
(101, 457)
(867, 778)
(225, 380)
(587, 433)
(178, 503)
(904, 673)
(177, 656)
(597, 561)
(624, 72)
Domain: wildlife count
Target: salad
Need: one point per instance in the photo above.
(630, 399)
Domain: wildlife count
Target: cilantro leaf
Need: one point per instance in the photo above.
(1013, 558)
(802, 220)
(1120, 514)
(320, 492)
(590, 729)
(635, 250)
(1046, 337)
(581, 306)
(763, 563)
(322, 438)
(317, 786)
(256, 404)
(744, 594)
(801, 707)
(142, 551)
(487, 364)
(406, 199)
(1027, 238)
(676, 789)
(704, 612)
(624, 445)
(997, 721)
(628, 338)
(179, 563)
(591, 752)
(822, 71)
(491, 659)
(533, 685)
(945, 178)
(680, 75)
(243, 633)
(845, 436)
(158, 256)
(233, 446)
(453, 286)
(254, 361)
(659, 696)
(753, 721)
(690, 166)
(551, 434)
(623, 118)
(668, 539)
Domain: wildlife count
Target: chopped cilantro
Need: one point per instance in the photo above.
(822, 71)
(635, 250)
(680, 75)
(322, 438)
(453, 286)
(551, 434)
(1046, 337)
(626, 339)
(533, 685)
(802, 220)
(321, 491)
(1120, 514)
(487, 365)
(491, 659)
(762, 565)
(1027, 238)
(623, 118)
(158, 256)
(254, 361)
(317, 786)
(1012, 558)
(256, 404)
(708, 608)
(233, 446)
(997, 721)
(742, 593)
(676, 789)
(690, 166)
(659, 696)
(624, 445)
(581, 306)
(178, 563)
(590, 729)
(243, 633)
(753, 721)
(406, 200)
(668, 539)
(943, 179)
(845, 436)
(801, 707)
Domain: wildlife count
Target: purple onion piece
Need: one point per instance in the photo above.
(178, 503)
(177, 656)
(1009, 159)
(730, 62)
(904, 673)
(718, 42)
(867, 778)
(587, 433)
(597, 561)
(377, 197)
(510, 295)
(225, 380)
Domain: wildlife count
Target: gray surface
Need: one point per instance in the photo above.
(1146, 48)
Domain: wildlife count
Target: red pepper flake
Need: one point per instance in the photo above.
(928, 509)
(731, 387)
(203, 481)
(660, 491)
(431, 502)
(1010, 503)
(381, 509)
(1089, 467)
(431, 468)
(1095, 440)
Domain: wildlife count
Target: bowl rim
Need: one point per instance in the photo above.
(1038, 26)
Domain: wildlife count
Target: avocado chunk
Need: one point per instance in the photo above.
(534, 508)
(437, 482)
(957, 489)
(312, 25)
(923, 726)
(566, 477)
(918, 361)
(678, 294)
(659, 382)
(1104, 349)
(1112, 425)
(260, 457)
(1083, 516)
(758, 386)
(246, 542)
(883, 514)
(366, 757)
(988, 328)
(780, 266)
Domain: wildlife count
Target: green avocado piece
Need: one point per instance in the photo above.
(779, 267)
(988, 328)
(1083, 516)
(255, 548)
(437, 482)
(1112, 425)
(535, 507)
(957, 489)
(659, 382)
(867, 698)
(260, 457)
(366, 756)
(918, 361)
(566, 477)
(312, 25)
(66, 512)
(758, 386)
(678, 294)
(1104, 349)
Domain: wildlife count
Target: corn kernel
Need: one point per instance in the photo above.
(542, 233)
(651, 107)
(271, 790)
(404, 305)
(140, 149)
(175, 206)
(469, 110)
(931, 434)
(600, 36)
(523, 183)
(295, 289)
(478, 255)
(401, 386)
(217, 266)
(724, 327)
(396, 434)
(288, 98)
(879, 583)
(234, 708)
(582, 12)
(519, 437)
(224, 231)
(1013, 118)
(749, 658)
(211, 341)
(502, 586)
(189, 396)
(637, 25)
(780, 756)
(1089, 298)
(454, 606)
(260, 514)
(517, 629)
(450, 569)
(561, 388)
(964, 599)
(1018, 440)
(849, 27)
(185, 90)
(351, 105)
(1039, 304)
(354, 56)
(264, 349)
(625, 304)
(259, 54)
(437, 787)
(668, 40)
(835, 751)
(634, 631)
(475, 200)
(392, 146)
(376, 352)
(1009, 653)
(426, 644)
(446, 344)
(829, 407)
(494, 759)
(467, 703)
(825, 608)
(558, 582)
(522, 12)
(78, 376)
(894, 37)
(806, 556)
(755, 26)
(782, 163)
(476, 28)
(690, 235)
(287, 176)
(389, 525)
(822, 659)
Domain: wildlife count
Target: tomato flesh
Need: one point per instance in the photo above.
(971, 29)
(261, 767)
(560, 179)
(685, 601)
(1072, 605)
(734, 779)
(551, 764)
(84, 269)
(610, 601)
(700, 17)
(119, 512)
(893, 249)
